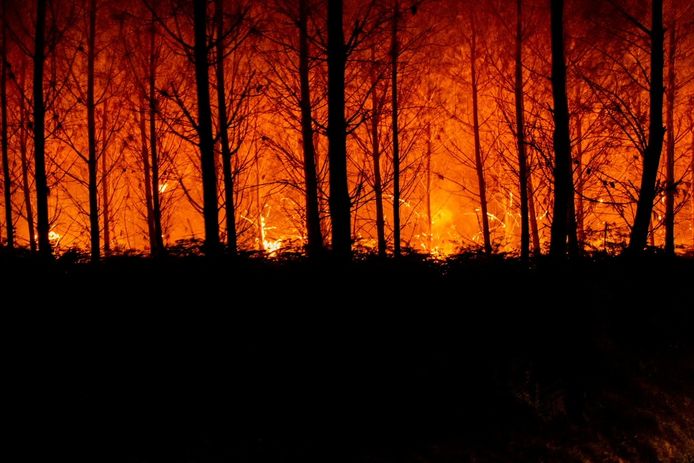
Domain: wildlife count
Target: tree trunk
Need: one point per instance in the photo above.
(394, 54)
(91, 135)
(670, 187)
(337, 134)
(532, 217)
(376, 108)
(158, 241)
(106, 210)
(24, 159)
(148, 180)
(479, 162)
(39, 133)
(580, 211)
(428, 190)
(223, 131)
(563, 225)
(208, 168)
(651, 156)
(314, 234)
(7, 179)
(520, 136)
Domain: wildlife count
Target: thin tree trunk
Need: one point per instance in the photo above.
(691, 181)
(651, 156)
(208, 167)
(224, 134)
(148, 180)
(520, 136)
(39, 133)
(337, 133)
(479, 162)
(532, 217)
(158, 240)
(563, 233)
(91, 135)
(7, 180)
(428, 188)
(670, 187)
(580, 212)
(106, 210)
(313, 230)
(376, 157)
(394, 54)
(24, 159)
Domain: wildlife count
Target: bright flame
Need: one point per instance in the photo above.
(163, 187)
(54, 237)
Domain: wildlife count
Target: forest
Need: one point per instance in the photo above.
(425, 126)
(361, 231)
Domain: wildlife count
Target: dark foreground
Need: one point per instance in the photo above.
(252, 362)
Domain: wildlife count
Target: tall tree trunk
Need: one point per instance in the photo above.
(148, 179)
(580, 211)
(691, 181)
(651, 156)
(479, 162)
(209, 170)
(91, 135)
(26, 187)
(394, 55)
(532, 216)
(337, 133)
(314, 234)
(158, 241)
(39, 133)
(428, 190)
(7, 179)
(223, 131)
(520, 136)
(106, 210)
(670, 187)
(376, 108)
(563, 225)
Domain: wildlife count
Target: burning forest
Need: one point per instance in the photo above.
(369, 231)
(425, 126)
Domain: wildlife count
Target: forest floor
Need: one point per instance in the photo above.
(415, 361)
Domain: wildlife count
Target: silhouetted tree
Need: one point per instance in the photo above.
(7, 179)
(670, 184)
(394, 55)
(337, 133)
(39, 133)
(91, 134)
(563, 225)
(651, 156)
(479, 161)
(520, 135)
(314, 246)
(206, 142)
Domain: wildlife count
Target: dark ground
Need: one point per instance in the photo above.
(269, 362)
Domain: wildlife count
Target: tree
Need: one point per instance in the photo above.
(651, 156)
(479, 161)
(520, 135)
(394, 53)
(670, 184)
(7, 179)
(337, 133)
(91, 134)
(206, 142)
(39, 133)
(563, 224)
(314, 246)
